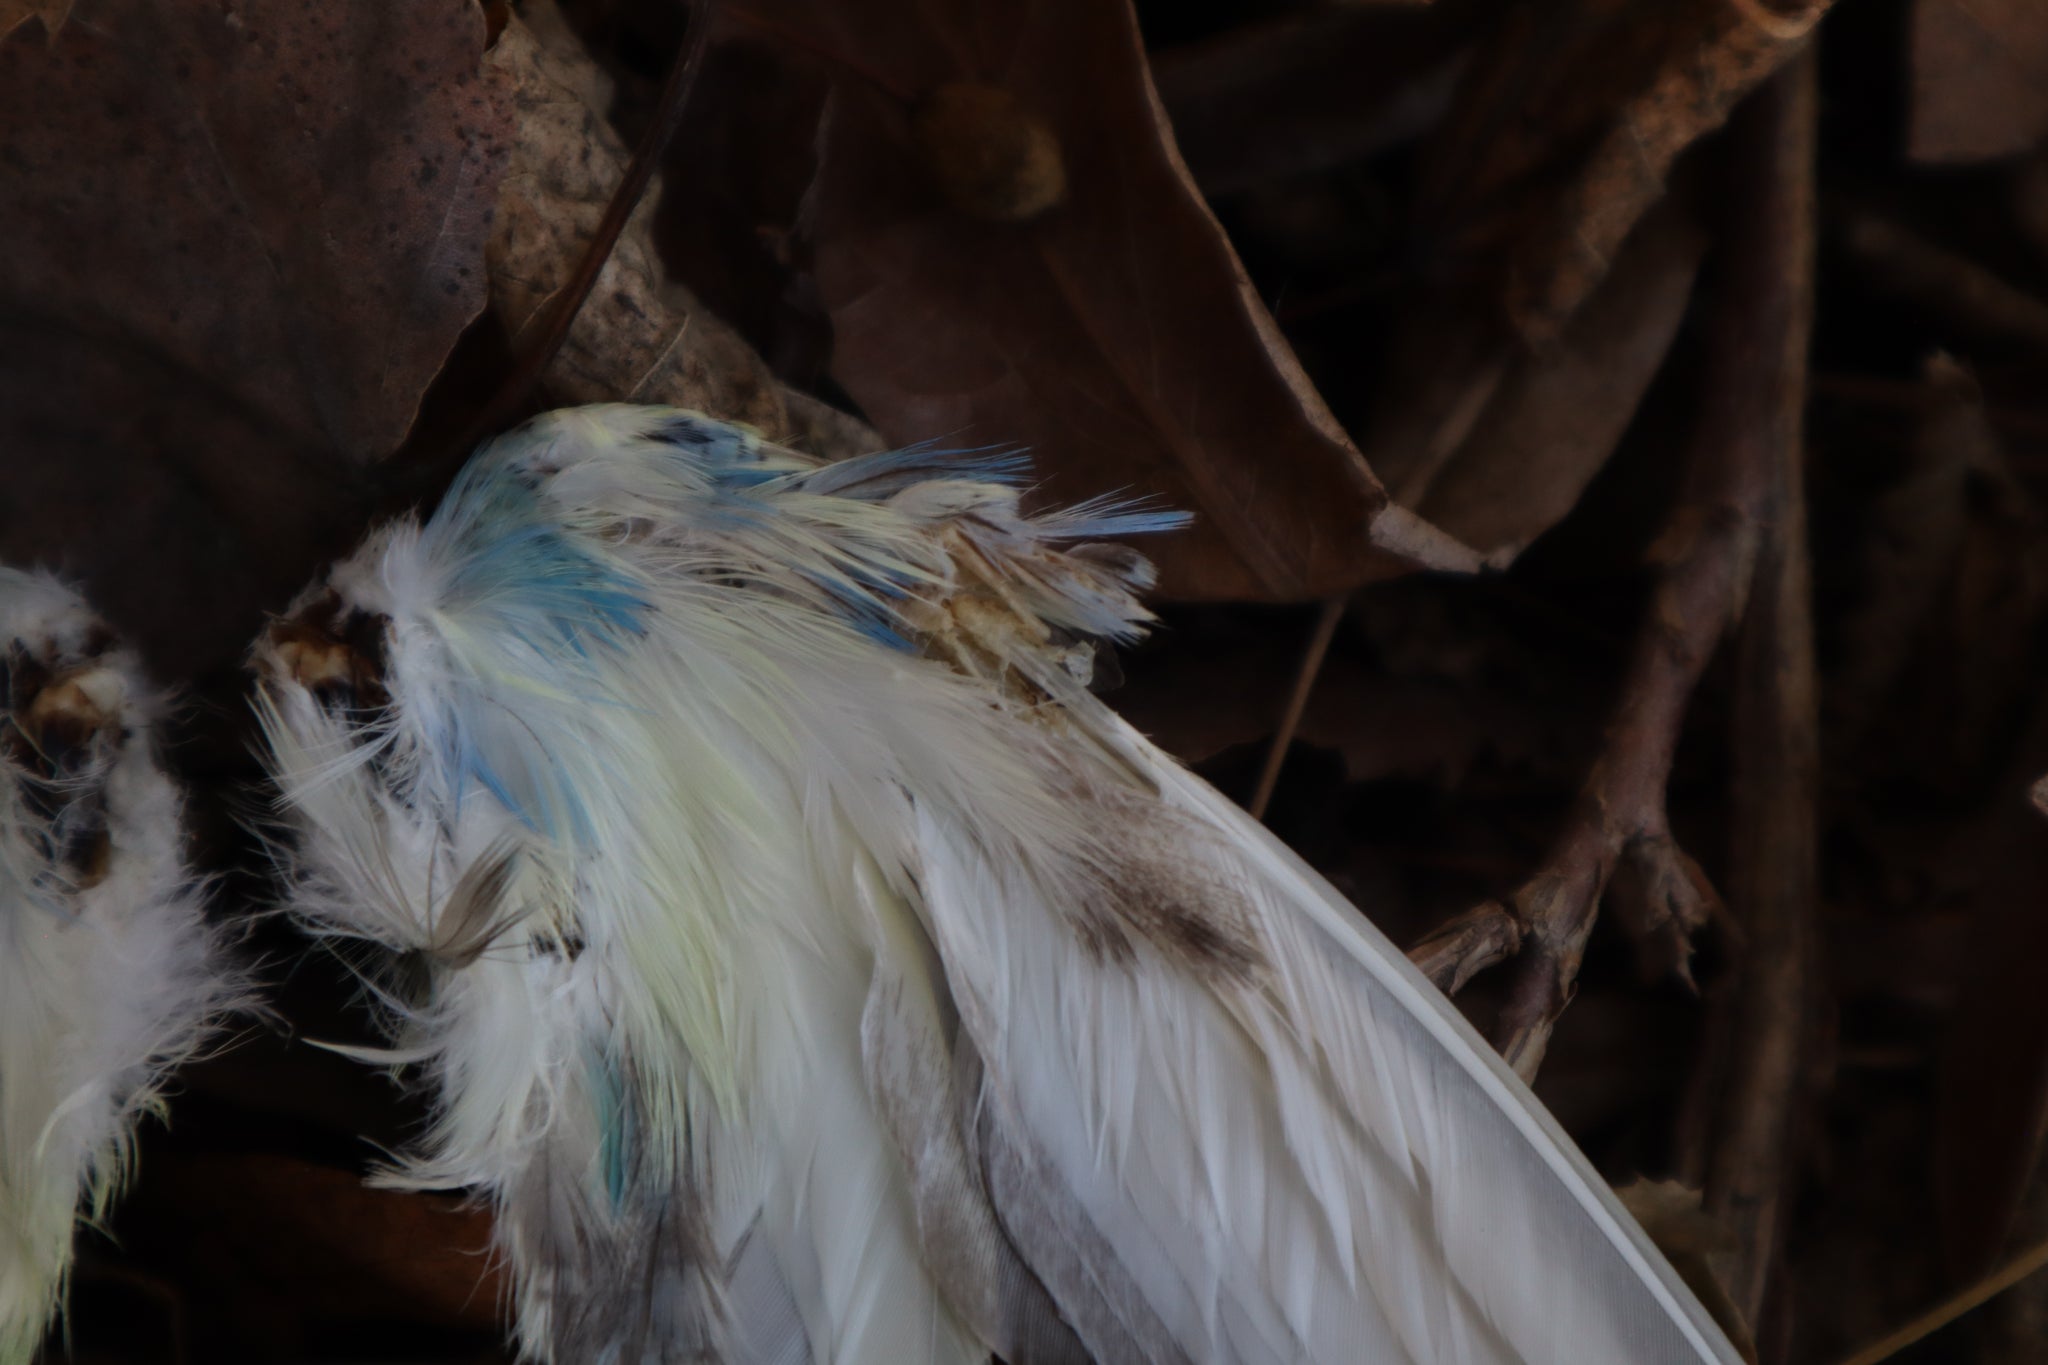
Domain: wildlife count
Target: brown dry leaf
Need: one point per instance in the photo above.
(185, 513)
(1538, 87)
(240, 244)
(1558, 415)
(1535, 187)
(1114, 334)
(735, 177)
(229, 127)
(1980, 79)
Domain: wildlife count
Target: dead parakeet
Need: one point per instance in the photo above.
(109, 975)
(816, 971)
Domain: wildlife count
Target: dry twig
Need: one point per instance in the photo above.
(1751, 394)
(1720, 50)
(1774, 862)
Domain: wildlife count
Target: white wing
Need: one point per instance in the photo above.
(109, 976)
(1277, 1144)
(861, 974)
(1217, 1115)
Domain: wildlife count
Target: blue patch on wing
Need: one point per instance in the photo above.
(614, 1126)
(534, 582)
(508, 557)
(567, 600)
(868, 603)
(706, 439)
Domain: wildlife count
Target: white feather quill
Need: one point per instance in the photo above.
(109, 976)
(818, 973)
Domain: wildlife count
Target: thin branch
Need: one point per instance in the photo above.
(1774, 874)
(1297, 702)
(1703, 561)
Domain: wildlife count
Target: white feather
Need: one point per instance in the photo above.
(834, 933)
(109, 976)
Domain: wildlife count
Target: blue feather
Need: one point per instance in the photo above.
(872, 478)
(1113, 515)
(539, 585)
(614, 1125)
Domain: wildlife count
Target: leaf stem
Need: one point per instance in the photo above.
(1297, 702)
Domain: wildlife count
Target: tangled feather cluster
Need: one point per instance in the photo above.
(109, 975)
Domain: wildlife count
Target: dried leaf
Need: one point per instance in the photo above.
(1543, 81)
(990, 157)
(1560, 142)
(734, 178)
(240, 244)
(318, 183)
(1558, 415)
(1980, 79)
(1537, 88)
(1114, 334)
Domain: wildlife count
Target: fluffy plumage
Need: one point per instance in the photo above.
(109, 976)
(815, 971)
